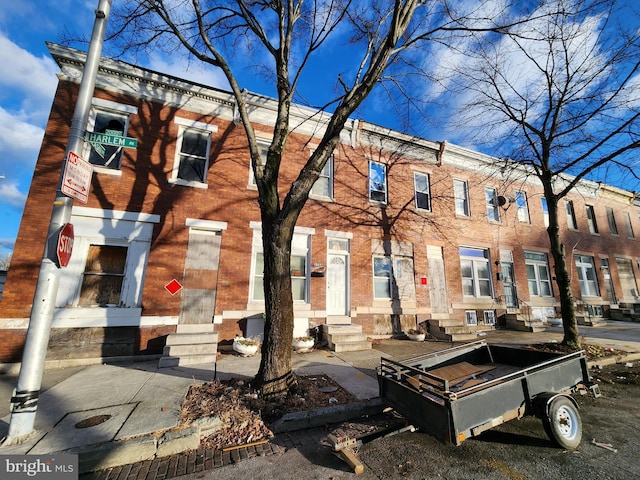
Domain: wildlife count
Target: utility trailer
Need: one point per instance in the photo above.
(460, 392)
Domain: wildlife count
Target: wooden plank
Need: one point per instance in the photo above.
(458, 371)
(350, 457)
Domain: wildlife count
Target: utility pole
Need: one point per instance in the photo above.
(24, 402)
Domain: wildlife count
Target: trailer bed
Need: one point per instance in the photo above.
(460, 392)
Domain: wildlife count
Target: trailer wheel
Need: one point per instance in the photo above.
(562, 423)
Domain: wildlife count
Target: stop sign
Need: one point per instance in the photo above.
(65, 245)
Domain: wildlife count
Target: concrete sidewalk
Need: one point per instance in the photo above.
(112, 415)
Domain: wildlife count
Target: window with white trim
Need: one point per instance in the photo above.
(493, 207)
(108, 265)
(323, 187)
(538, 277)
(587, 276)
(381, 277)
(377, 182)
(570, 214)
(591, 219)
(299, 265)
(422, 187)
(476, 272)
(523, 207)
(112, 119)
(393, 271)
(191, 161)
(461, 197)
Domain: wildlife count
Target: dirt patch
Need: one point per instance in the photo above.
(247, 415)
(593, 352)
(618, 374)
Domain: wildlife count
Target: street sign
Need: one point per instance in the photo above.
(65, 245)
(115, 140)
(77, 177)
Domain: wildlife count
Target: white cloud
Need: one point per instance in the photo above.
(25, 74)
(19, 140)
(10, 195)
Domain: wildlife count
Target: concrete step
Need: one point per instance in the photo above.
(195, 328)
(346, 337)
(338, 320)
(444, 322)
(190, 345)
(167, 362)
(191, 338)
(521, 325)
(185, 350)
(352, 346)
(341, 329)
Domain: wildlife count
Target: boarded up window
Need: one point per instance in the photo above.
(103, 276)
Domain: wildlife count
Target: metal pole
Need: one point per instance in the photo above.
(25, 400)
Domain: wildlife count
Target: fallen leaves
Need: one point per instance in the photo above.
(246, 415)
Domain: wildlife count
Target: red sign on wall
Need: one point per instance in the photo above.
(173, 286)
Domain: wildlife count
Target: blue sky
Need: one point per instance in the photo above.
(28, 82)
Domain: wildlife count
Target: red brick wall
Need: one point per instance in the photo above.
(144, 186)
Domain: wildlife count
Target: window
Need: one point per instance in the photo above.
(591, 220)
(571, 215)
(587, 276)
(377, 182)
(103, 275)
(538, 276)
(191, 162)
(612, 221)
(471, 317)
(545, 211)
(393, 273)
(263, 150)
(299, 265)
(110, 118)
(627, 223)
(493, 208)
(324, 184)
(476, 274)
(422, 191)
(461, 196)
(489, 317)
(381, 277)
(523, 207)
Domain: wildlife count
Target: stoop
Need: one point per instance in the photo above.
(346, 337)
(192, 344)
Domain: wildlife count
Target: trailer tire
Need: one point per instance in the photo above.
(562, 423)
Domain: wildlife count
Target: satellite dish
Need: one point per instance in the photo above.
(502, 201)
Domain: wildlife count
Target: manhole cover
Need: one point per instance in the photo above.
(92, 421)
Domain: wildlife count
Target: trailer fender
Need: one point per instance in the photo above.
(542, 402)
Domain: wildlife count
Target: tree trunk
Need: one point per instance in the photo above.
(563, 279)
(274, 376)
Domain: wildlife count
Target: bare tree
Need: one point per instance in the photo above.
(379, 35)
(562, 94)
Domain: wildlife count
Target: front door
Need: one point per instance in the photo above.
(337, 284)
(437, 281)
(200, 279)
(509, 284)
